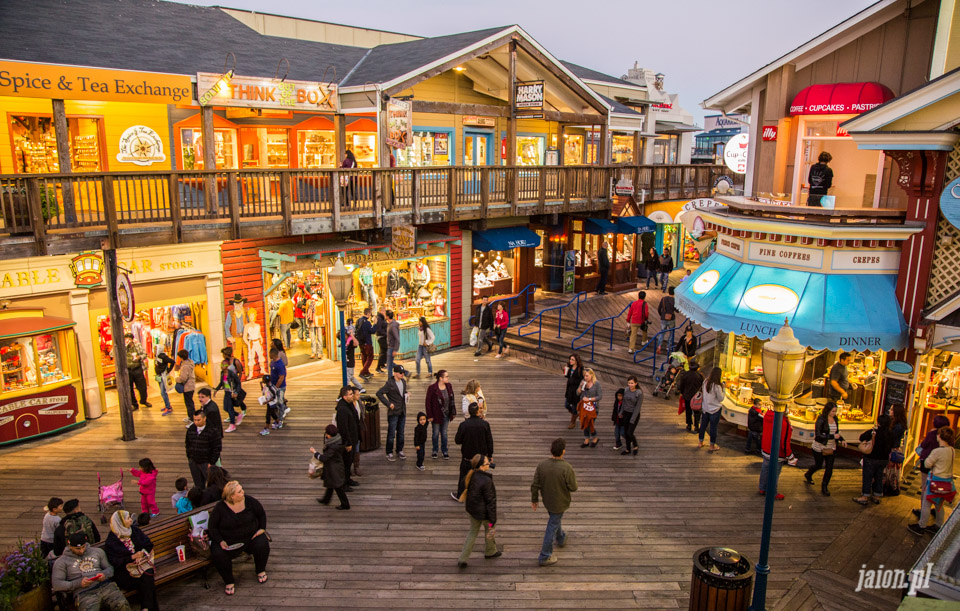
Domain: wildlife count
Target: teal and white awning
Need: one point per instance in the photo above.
(855, 312)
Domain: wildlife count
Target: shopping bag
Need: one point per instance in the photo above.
(828, 201)
(474, 334)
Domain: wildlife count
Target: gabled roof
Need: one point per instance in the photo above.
(620, 109)
(929, 93)
(588, 74)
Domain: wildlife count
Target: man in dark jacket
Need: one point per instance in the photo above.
(203, 445)
(348, 425)
(473, 437)
(820, 179)
(394, 396)
(365, 338)
(393, 338)
(74, 521)
(481, 504)
(666, 266)
(754, 427)
(603, 266)
(380, 331)
(689, 385)
(212, 411)
(333, 458)
(484, 324)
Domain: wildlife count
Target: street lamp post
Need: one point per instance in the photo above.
(783, 359)
(341, 283)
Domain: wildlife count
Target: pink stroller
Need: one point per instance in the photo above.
(110, 498)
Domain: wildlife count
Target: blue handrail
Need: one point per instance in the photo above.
(582, 295)
(656, 340)
(525, 293)
(593, 331)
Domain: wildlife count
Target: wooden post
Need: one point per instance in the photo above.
(415, 196)
(62, 131)
(110, 212)
(451, 193)
(36, 215)
(542, 191)
(637, 145)
(560, 144)
(286, 205)
(234, 203)
(119, 343)
(209, 160)
(512, 128)
(381, 185)
(340, 137)
(590, 175)
(565, 181)
(603, 158)
(484, 191)
(176, 215)
(335, 203)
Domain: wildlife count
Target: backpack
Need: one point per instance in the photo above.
(238, 366)
(79, 523)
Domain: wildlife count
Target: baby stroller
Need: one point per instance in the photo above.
(110, 498)
(670, 374)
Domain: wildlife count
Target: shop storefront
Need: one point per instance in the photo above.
(623, 238)
(431, 146)
(504, 262)
(839, 298)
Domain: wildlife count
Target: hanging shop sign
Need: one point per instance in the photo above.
(140, 145)
(87, 270)
(479, 121)
(441, 143)
(125, 297)
(399, 123)
(624, 186)
(26, 80)
(769, 133)
(950, 202)
(529, 95)
(257, 92)
(403, 240)
(735, 153)
(569, 270)
(730, 246)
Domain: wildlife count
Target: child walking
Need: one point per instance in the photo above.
(420, 439)
(617, 426)
(147, 474)
(270, 397)
(230, 385)
(51, 519)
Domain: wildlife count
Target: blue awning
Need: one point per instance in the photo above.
(833, 311)
(600, 226)
(635, 224)
(505, 238)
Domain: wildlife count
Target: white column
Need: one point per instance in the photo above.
(215, 341)
(756, 121)
(80, 312)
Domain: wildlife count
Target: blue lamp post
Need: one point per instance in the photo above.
(341, 283)
(783, 359)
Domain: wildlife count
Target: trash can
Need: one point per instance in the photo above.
(722, 580)
(370, 423)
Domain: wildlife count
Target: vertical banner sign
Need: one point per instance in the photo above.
(529, 95)
(569, 270)
(125, 297)
(399, 123)
(403, 240)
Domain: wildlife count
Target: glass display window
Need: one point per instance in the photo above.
(191, 148)
(49, 361)
(316, 149)
(665, 149)
(364, 149)
(530, 150)
(622, 149)
(265, 147)
(572, 149)
(495, 270)
(625, 247)
(538, 251)
(18, 364)
(427, 149)
(856, 172)
(35, 144)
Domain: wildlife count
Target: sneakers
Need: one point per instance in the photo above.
(286, 411)
(434, 456)
(225, 420)
(240, 418)
(359, 390)
(446, 457)
(275, 425)
(166, 412)
(453, 495)
(230, 428)
(421, 468)
(499, 356)
(265, 432)
(617, 447)
(498, 553)
(624, 453)
(402, 455)
(916, 529)
(461, 565)
(390, 457)
(549, 561)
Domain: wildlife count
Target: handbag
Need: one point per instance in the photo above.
(941, 488)
(896, 457)
(827, 451)
(696, 403)
(137, 568)
(431, 348)
(473, 336)
(179, 387)
(866, 447)
(315, 468)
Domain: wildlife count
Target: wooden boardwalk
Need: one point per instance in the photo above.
(633, 527)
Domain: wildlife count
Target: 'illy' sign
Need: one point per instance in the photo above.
(769, 133)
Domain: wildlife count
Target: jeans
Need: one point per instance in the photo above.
(228, 407)
(366, 357)
(501, 339)
(602, 282)
(164, 395)
(630, 432)
(302, 329)
(316, 341)
(395, 425)
(188, 402)
(873, 476)
(421, 454)
(258, 547)
(664, 281)
(651, 277)
(617, 432)
(424, 353)
(710, 420)
(925, 506)
(369, 295)
(818, 461)
(390, 353)
(571, 407)
(489, 548)
(554, 533)
(106, 596)
(382, 358)
(765, 472)
(439, 430)
(483, 335)
(285, 335)
(754, 437)
(352, 379)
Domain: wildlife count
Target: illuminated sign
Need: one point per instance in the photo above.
(22, 79)
(399, 124)
(706, 281)
(735, 153)
(216, 88)
(256, 92)
(771, 299)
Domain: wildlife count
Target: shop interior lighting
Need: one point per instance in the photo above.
(459, 68)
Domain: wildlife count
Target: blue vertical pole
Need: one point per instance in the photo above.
(343, 348)
(763, 565)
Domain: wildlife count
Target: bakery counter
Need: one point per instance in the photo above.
(803, 425)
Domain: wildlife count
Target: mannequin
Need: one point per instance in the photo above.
(365, 275)
(316, 319)
(438, 301)
(285, 315)
(419, 277)
(253, 339)
(233, 329)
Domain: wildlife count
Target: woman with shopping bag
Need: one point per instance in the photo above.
(939, 488)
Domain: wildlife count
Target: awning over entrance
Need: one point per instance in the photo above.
(505, 238)
(600, 226)
(832, 311)
(634, 224)
(839, 99)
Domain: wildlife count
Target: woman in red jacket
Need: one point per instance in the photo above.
(440, 410)
(500, 323)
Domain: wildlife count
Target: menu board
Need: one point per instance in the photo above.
(742, 346)
(894, 393)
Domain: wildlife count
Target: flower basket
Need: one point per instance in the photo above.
(38, 599)
(25, 579)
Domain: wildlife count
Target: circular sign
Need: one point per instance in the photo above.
(125, 297)
(950, 202)
(735, 153)
(706, 281)
(900, 367)
(771, 299)
(140, 145)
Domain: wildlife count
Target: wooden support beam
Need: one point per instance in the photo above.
(551, 67)
(124, 392)
(176, 214)
(484, 191)
(603, 150)
(448, 65)
(415, 196)
(561, 145)
(234, 202)
(209, 160)
(335, 202)
(637, 148)
(451, 108)
(110, 213)
(340, 136)
(380, 184)
(452, 181)
(512, 130)
(62, 132)
(590, 178)
(542, 190)
(286, 205)
(565, 181)
(36, 215)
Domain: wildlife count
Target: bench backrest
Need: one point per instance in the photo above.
(167, 533)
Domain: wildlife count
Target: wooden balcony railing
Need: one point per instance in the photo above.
(46, 213)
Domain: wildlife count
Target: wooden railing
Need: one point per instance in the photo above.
(170, 207)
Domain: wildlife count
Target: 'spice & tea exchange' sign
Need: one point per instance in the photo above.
(22, 79)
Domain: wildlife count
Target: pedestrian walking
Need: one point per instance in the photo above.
(500, 323)
(365, 339)
(474, 437)
(348, 182)
(136, 364)
(898, 430)
(481, 506)
(689, 385)
(316, 319)
(638, 317)
(929, 444)
(237, 365)
(484, 325)
(394, 395)
(230, 385)
(940, 486)
(351, 355)
(666, 266)
(785, 453)
(554, 480)
(334, 459)
(590, 393)
(820, 179)
(617, 427)
(826, 438)
(393, 339)
(472, 393)
(420, 439)
(755, 428)
(440, 411)
(426, 343)
(380, 331)
(667, 308)
(348, 430)
(147, 482)
(573, 371)
(689, 344)
(203, 445)
(713, 393)
(875, 461)
(603, 267)
(278, 377)
(186, 382)
(652, 264)
(162, 366)
(630, 415)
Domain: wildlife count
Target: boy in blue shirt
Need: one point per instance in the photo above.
(278, 378)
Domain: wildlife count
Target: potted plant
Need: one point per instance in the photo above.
(25, 579)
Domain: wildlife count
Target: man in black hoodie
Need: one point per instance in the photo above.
(203, 446)
(473, 437)
(380, 330)
(348, 425)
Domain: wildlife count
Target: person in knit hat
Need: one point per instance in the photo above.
(334, 467)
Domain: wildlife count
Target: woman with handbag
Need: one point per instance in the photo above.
(481, 504)
(426, 341)
(131, 554)
(939, 486)
(826, 438)
(238, 524)
(891, 474)
(440, 411)
(590, 394)
(501, 321)
(689, 385)
(713, 393)
(186, 382)
(573, 371)
(875, 445)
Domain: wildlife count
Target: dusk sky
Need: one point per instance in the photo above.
(701, 46)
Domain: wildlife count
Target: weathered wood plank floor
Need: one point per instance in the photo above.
(634, 524)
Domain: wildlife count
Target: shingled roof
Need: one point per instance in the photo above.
(593, 75)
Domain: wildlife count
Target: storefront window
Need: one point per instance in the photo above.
(316, 149)
(364, 149)
(572, 149)
(671, 240)
(665, 149)
(625, 250)
(539, 250)
(530, 150)
(428, 149)
(493, 272)
(191, 148)
(265, 147)
(48, 354)
(622, 151)
(35, 144)
(855, 171)
(17, 363)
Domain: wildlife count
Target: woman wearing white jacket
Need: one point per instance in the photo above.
(712, 393)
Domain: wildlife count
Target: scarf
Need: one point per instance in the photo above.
(118, 524)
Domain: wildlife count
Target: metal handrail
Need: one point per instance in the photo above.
(592, 329)
(655, 340)
(667, 362)
(526, 292)
(582, 295)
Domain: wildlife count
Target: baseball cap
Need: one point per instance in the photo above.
(78, 538)
(398, 369)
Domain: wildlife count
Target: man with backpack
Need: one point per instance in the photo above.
(668, 317)
(638, 317)
(74, 521)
